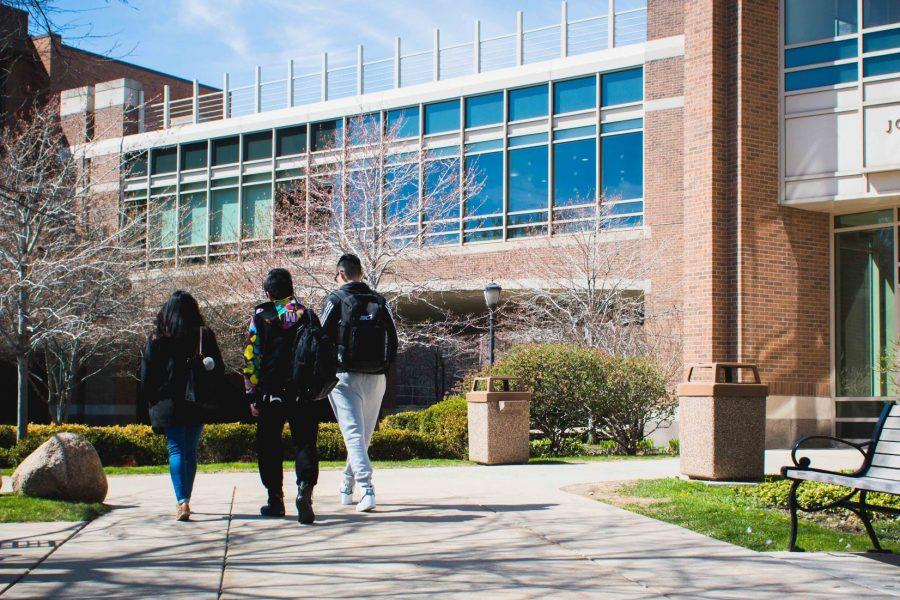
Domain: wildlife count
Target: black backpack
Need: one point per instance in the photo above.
(314, 370)
(364, 342)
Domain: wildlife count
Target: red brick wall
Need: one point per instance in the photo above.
(665, 18)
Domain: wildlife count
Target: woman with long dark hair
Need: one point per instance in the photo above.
(180, 351)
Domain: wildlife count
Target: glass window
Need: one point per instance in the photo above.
(290, 141)
(575, 94)
(880, 12)
(488, 173)
(193, 156)
(614, 126)
(326, 135)
(441, 193)
(881, 65)
(401, 195)
(484, 110)
(223, 221)
(257, 146)
(808, 20)
(866, 218)
(528, 103)
(484, 146)
(574, 172)
(193, 219)
(622, 165)
(819, 53)
(824, 76)
(442, 116)
(225, 151)
(136, 164)
(164, 160)
(881, 40)
(364, 129)
(575, 132)
(528, 178)
(864, 310)
(531, 138)
(256, 219)
(403, 122)
(620, 87)
(163, 222)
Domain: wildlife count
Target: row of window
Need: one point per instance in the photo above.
(568, 96)
(811, 20)
(519, 177)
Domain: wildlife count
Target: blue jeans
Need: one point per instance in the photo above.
(184, 441)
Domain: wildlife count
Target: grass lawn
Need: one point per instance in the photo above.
(20, 509)
(724, 513)
(239, 467)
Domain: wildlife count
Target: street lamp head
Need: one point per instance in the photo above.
(492, 294)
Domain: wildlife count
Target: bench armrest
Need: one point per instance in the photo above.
(803, 462)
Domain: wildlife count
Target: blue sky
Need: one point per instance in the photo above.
(204, 38)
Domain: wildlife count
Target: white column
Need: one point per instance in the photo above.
(476, 48)
(612, 24)
(257, 90)
(226, 101)
(141, 113)
(290, 84)
(195, 102)
(360, 82)
(397, 62)
(437, 54)
(324, 76)
(166, 113)
(520, 37)
(564, 31)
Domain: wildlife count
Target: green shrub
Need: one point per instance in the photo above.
(331, 442)
(7, 436)
(446, 420)
(773, 493)
(568, 446)
(402, 444)
(228, 442)
(603, 448)
(674, 447)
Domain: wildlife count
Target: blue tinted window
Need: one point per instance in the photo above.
(622, 125)
(225, 151)
(574, 172)
(881, 40)
(164, 160)
(525, 140)
(193, 156)
(364, 129)
(528, 178)
(528, 103)
(808, 20)
(405, 121)
(881, 65)
(483, 146)
(576, 94)
(290, 141)
(880, 12)
(810, 78)
(441, 189)
(401, 192)
(568, 134)
(622, 165)
(326, 135)
(488, 172)
(484, 110)
(442, 116)
(258, 145)
(620, 87)
(624, 208)
(819, 53)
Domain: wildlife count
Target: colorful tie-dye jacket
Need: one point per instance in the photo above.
(288, 311)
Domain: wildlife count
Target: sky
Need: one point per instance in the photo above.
(205, 38)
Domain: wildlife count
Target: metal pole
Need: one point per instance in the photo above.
(166, 108)
(476, 48)
(257, 90)
(225, 98)
(195, 102)
(436, 57)
(324, 76)
(289, 88)
(564, 31)
(491, 330)
(397, 81)
(520, 36)
(360, 71)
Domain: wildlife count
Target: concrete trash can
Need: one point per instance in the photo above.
(722, 424)
(499, 422)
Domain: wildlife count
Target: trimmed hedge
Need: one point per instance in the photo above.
(446, 421)
(773, 493)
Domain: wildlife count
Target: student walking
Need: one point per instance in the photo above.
(274, 396)
(181, 373)
(360, 322)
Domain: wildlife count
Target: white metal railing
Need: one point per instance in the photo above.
(269, 90)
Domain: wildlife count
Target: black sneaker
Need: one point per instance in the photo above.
(305, 514)
(273, 508)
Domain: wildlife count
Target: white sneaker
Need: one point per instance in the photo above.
(368, 501)
(347, 495)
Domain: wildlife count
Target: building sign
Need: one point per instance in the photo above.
(882, 136)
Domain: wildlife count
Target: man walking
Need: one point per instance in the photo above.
(360, 323)
(268, 364)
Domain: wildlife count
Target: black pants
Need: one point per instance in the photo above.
(304, 423)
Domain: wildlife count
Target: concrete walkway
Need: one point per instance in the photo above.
(505, 532)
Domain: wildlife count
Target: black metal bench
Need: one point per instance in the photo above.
(880, 472)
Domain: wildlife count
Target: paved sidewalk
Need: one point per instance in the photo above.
(506, 532)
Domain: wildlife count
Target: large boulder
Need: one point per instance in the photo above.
(65, 467)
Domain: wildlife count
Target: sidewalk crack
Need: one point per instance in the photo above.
(227, 542)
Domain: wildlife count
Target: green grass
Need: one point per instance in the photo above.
(722, 512)
(21, 509)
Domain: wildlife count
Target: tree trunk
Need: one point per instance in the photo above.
(22, 395)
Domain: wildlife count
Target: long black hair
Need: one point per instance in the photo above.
(179, 316)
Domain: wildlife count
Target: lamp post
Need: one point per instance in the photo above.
(491, 299)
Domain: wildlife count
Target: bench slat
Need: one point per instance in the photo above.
(884, 473)
(891, 435)
(891, 461)
(871, 484)
(887, 447)
(892, 423)
(895, 410)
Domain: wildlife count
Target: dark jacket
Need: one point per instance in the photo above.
(268, 357)
(164, 375)
(331, 317)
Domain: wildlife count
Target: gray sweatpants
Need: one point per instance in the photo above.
(356, 400)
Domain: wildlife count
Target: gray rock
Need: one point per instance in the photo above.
(65, 467)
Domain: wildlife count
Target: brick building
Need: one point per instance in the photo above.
(757, 139)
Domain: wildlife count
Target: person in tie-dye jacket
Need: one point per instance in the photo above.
(268, 363)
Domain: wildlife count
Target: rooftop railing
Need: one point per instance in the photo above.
(624, 23)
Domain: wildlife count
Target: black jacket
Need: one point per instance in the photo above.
(331, 317)
(164, 374)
